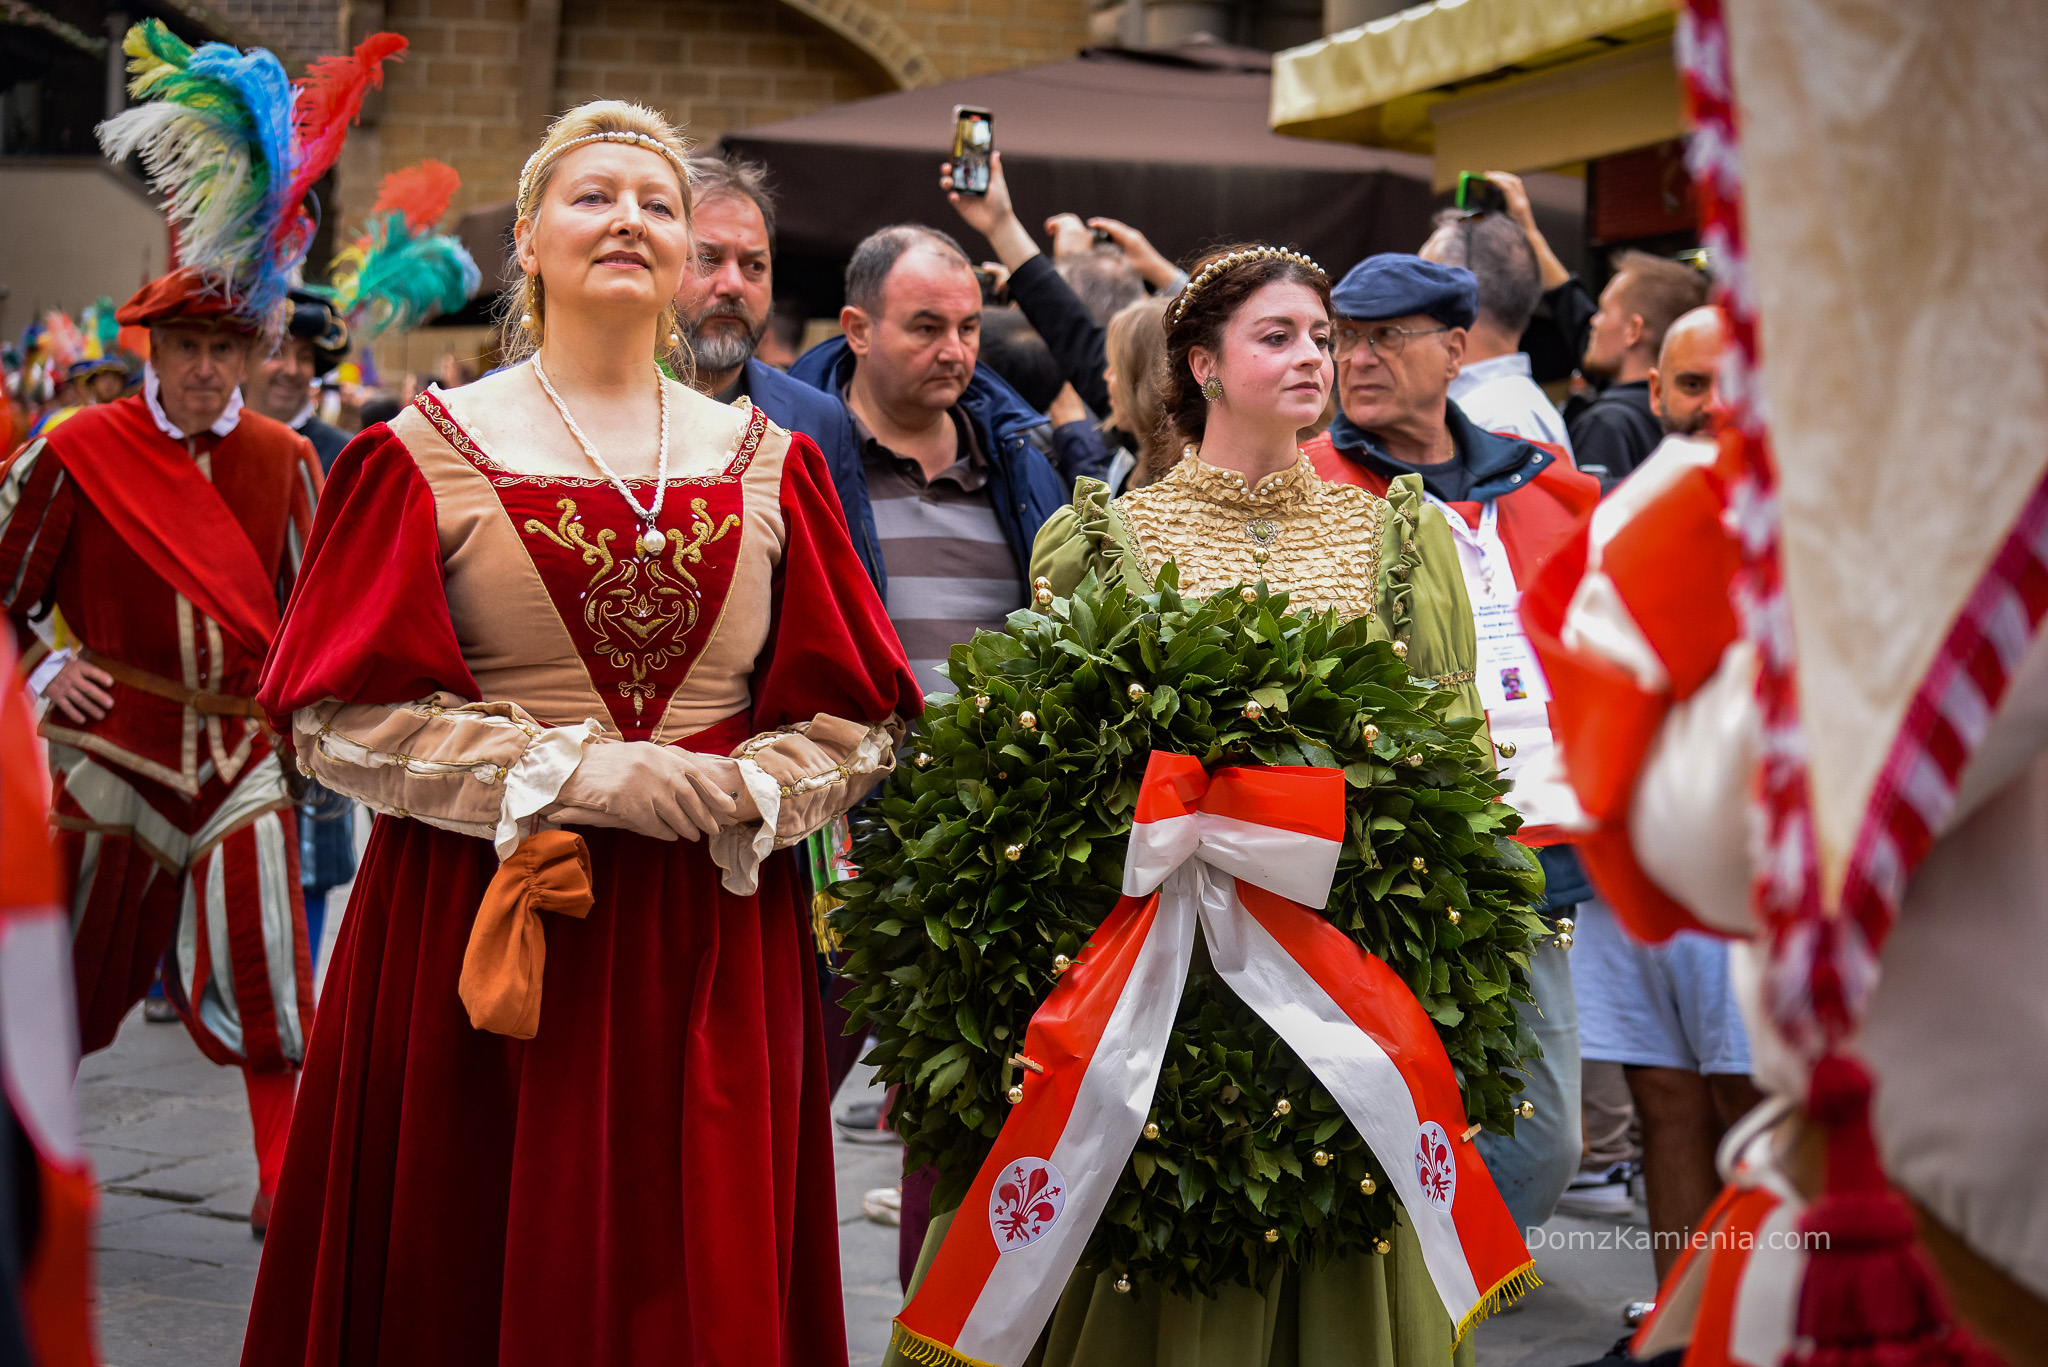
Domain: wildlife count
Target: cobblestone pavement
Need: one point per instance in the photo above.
(169, 1136)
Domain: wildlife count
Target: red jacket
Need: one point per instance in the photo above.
(1541, 500)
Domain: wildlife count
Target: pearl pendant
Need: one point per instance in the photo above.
(652, 540)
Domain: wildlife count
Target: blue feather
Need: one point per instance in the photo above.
(266, 91)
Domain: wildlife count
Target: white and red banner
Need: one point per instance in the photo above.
(1244, 853)
(39, 1047)
(1732, 1298)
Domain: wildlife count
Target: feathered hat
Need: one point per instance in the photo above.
(401, 272)
(233, 147)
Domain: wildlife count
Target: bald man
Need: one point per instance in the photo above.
(1617, 431)
(1684, 388)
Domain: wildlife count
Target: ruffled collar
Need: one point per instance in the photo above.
(1282, 491)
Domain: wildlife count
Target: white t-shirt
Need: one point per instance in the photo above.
(1499, 396)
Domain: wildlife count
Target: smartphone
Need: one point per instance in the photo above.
(974, 137)
(1478, 195)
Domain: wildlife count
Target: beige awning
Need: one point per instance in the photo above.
(1489, 84)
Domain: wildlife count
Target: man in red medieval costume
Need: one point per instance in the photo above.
(167, 527)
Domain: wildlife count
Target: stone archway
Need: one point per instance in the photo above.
(902, 57)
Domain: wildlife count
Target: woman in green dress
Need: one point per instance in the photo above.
(1249, 367)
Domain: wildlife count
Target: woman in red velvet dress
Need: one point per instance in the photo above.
(510, 626)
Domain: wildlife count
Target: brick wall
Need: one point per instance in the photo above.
(453, 97)
(970, 37)
(713, 65)
(296, 30)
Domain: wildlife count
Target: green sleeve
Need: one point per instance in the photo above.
(1086, 535)
(1423, 596)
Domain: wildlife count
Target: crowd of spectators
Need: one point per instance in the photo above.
(961, 400)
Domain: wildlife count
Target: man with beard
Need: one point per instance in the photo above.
(314, 343)
(167, 528)
(725, 306)
(1682, 387)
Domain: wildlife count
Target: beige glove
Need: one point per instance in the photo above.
(653, 790)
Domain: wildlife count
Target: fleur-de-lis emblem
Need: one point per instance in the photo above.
(1025, 1203)
(1435, 1168)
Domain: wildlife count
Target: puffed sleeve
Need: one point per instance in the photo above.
(1086, 535)
(366, 683)
(1422, 597)
(36, 502)
(833, 692)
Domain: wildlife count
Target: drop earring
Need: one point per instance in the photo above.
(526, 321)
(675, 341)
(1212, 389)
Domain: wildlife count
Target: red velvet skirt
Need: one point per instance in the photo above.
(648, 1180)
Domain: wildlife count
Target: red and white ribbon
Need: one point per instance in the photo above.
(1245, 853)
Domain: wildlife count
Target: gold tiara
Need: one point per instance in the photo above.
(544, 158)
(1224, 263)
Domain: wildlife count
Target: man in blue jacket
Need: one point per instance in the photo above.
(950, 479)
(723, 308)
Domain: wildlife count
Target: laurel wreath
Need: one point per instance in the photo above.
(994, 852)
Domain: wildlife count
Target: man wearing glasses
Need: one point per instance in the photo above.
(1399, 332)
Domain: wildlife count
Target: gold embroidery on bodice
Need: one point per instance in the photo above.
(640, 611)
(1321, 542)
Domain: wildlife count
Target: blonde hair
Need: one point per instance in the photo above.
(597, 121)
(1137, 353)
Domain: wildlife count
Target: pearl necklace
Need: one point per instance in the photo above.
(651, 539)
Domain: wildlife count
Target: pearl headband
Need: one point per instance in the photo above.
(544, 158)
(1224, 263)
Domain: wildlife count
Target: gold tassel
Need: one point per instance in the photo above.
(1507, 1291)
(915, 1347)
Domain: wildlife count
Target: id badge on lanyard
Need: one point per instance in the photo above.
(1507, 672)
(1510, 681)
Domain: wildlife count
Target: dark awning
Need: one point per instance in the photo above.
(1175, 143)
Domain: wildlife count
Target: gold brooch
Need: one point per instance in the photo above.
(1263, 534)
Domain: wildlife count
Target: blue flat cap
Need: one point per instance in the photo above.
(1396, 284)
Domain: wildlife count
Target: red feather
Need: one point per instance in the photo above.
(421, 191)
(330, 97)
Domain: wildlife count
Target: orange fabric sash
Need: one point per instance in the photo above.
(501, 969)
